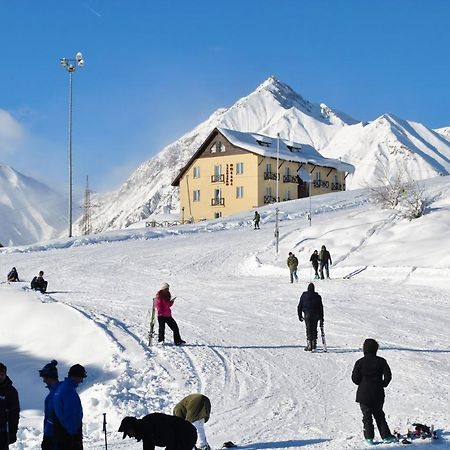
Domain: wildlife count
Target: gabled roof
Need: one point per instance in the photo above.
(290, 151)
(267, 146)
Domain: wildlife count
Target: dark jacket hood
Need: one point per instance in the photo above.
(6, 383)
(311, 287)
(370, 347)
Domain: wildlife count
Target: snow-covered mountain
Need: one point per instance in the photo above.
(387, 142)
(30, 211)
(390, 144)
(273, 107)
(445, 131)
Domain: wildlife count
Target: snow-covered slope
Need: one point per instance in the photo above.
(390, 144)
(445, 131)
(237, 311)
(273, 107)
(30, 211)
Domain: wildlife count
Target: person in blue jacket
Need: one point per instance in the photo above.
(69, 411)
(49, 374)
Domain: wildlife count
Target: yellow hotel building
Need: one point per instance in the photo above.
(233, 171)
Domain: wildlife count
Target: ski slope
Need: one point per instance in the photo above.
(237, 311)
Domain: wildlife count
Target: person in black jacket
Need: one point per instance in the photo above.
(372, 374)
(160, 430)
(310, 309)
(9, 410)
(13, 276)
(38, 283)
(315, 263)
(325, 261)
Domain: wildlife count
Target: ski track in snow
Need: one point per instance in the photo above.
(237, 312)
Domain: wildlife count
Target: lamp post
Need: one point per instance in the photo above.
(71, 64)
(277, 231)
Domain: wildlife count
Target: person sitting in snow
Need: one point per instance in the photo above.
(195, 408)
(160, 430)
(372, 374)
(38, 283)
(163, 305)
(13, 276)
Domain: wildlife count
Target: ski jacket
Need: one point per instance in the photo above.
(257, 217)
(38, 283)
(372, 374)
(162, 430)
(67, 406)
(292, 262)
(314, 259)
(325, 257)
(193, 407)
(13, 275)
(9, 409)
(49, 411)
(163, 303)
(310, 305)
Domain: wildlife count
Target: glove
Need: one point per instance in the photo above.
(300, 318)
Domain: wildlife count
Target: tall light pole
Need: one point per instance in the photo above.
(71, 64)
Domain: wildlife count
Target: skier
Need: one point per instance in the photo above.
(292, 263)
(38, 283)
(69, 411)
(195, 408)
(256, 219)
(13, 276)
(372, 374)
(315, 263)
(9, 410)
(49, 374)
(160, 430)
(310, 309)
(324, 258)
(163, 305)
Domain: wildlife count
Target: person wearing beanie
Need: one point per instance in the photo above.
(49, 375)
(9, 410)
(372, 374)
(163, 305)
(196, 409)
(325, 261)
(69, 411)
(160, 430)
(310, 309)
(39, 284)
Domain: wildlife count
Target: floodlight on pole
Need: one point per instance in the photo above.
(70, 64)
(277, 231)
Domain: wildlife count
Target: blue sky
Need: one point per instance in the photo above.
(156, 68)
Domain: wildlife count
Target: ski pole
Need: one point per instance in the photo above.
(104, 430)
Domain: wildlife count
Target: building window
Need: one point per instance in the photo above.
(288, 195)
(288, 171)
(218, 215)
(268, 192)
(317, 176)
(196, 195)
(239, 168)
(197, 172)
(239, 191)
(268, 168)
(217, 170)
(217, 147)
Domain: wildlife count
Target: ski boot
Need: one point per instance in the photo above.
(370, 441)
(308, 347)
(389, 439)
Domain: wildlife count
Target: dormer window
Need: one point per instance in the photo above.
(263, 143)
(294, 148)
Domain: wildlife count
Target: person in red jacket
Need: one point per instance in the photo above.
(163, 305)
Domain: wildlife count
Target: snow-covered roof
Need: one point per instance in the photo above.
(290, 151)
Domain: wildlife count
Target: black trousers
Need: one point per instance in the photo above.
(311, 322)
(3, 441)
(170, 321)
(376, 412)
(316, 268)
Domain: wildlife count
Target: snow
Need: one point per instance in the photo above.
(30, 211)
(237, 311)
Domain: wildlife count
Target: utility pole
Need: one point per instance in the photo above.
(86, 223)
(277, 231)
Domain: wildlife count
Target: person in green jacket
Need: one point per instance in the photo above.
(292, 263)
(195, 408)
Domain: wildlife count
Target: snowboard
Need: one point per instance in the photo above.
(151, 330)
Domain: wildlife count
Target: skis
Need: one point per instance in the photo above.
(355, 272)
(324, 342)
(151, 330)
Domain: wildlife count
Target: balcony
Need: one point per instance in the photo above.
(270, 199)
(218, 201)
(290, 179)
(320, 184)
(218, 178)
(270, 176)
(336, 187)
